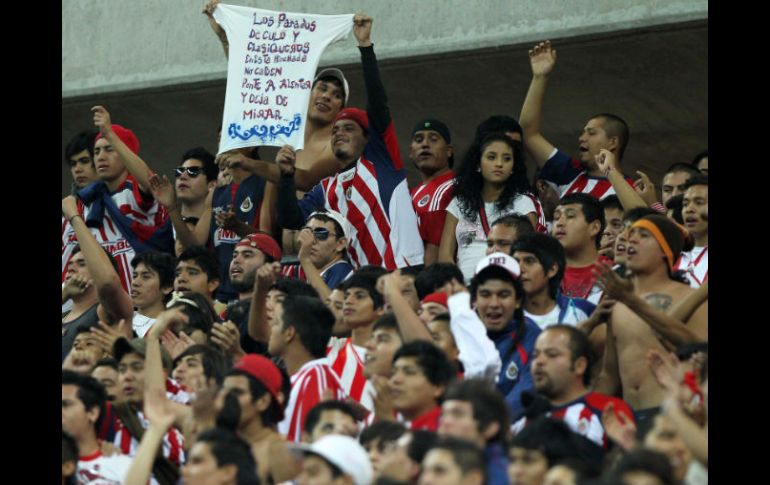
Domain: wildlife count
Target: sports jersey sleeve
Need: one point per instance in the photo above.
(432, 225)
(560, 168)
(292, 213)
(524, 205)
(337, 274)
(478, 353)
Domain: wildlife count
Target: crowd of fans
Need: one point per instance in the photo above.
(313, 320)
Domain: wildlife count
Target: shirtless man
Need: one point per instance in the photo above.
(315, 161)
(648, 313)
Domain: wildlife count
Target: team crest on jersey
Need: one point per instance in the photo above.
(424, 201)
(512, 372)
(246, 205)
(349, 193)
(583, 425)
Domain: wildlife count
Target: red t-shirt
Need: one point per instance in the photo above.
(430, 201)
(578, 282)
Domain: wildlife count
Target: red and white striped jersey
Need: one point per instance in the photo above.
(570, 177)
(147, 214)
(542, 224)
(430, 201)
(307, 387)
(695, 264)
(347, 361)
(584, 416)
(173, 441)
(373, 196)
(176, 392)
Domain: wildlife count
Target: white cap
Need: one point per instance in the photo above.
(502, 260)
(337, 74)
(343, 452)
(341, 220)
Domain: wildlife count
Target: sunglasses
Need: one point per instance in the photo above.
(319, 233)
(191, 171)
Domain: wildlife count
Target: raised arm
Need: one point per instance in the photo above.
(409, 324)
(135, 165)
(112, 297)
(629, 198)
(290, 214)
(304, 179)
(542, 58)
(376, 99)
(258, 328)
(478, 353)
(208, 10)
(311, 272)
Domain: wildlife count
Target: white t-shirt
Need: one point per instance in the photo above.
(471, 239)
(98, 469)
(142, 324)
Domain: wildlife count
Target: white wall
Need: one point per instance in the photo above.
(117, 45)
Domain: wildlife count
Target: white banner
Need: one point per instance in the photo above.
(273, 58)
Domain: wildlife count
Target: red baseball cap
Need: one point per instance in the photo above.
(265, 371)
(264, 243)
(355, 114)
(439, 297)
(126, 136)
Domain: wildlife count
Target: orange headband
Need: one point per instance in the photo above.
(650, 226)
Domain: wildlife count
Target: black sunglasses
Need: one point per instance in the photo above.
(191, 171)
(319, 233)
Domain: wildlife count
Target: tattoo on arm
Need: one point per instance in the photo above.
(659, 300)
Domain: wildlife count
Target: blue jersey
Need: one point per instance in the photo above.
(246, 199)
(515, 376)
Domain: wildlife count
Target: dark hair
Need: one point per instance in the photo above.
(432, 361)
(412, 271)
(162, 263)
(614, 125)
(368, 282)
(611, 202)
(257, 390)
(701, 179)
(385, 431)
(686, 350)
(551, 437)
(683, 167)
(387, 321)
(82, 141)
(201, 317)
(422, 441)
(314, 415)
(469, 181)
(113, 261)
(312, 320)
(210, 168)
(497, 123)
(334, 80)
(435, 276)
(488, 405)
(648, 461)
(549, 252)
(229, 449)
(371, 270)
(700, 156)
(202, 258)
(69, 453)
(465, 454)
(592, 211)
(107, 362)
(90, 392)
(579, 346)
(295, 287)
(519, 222)
(498, 273)
(633, 215)
(213, 361)
(674, 204)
